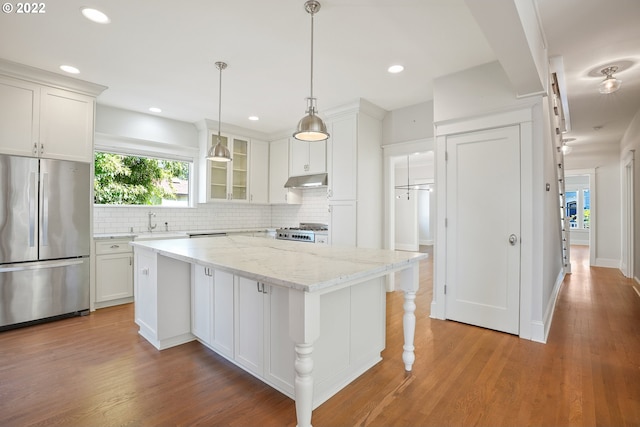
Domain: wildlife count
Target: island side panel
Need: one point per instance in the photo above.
(162, 299)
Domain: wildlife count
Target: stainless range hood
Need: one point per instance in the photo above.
(307, 181)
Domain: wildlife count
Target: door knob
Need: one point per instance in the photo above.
(513, 239)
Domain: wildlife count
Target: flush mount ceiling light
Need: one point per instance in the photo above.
(155, 110)
(69, 69)
(311, 127)
(610, 84)
(394, 69)
(218, 152)
(95, 15)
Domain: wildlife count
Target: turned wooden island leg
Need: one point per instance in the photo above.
(409, 326)
(304, 330)
(304, 384)
(409, 283)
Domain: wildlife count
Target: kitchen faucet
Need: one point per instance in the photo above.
(151, 227)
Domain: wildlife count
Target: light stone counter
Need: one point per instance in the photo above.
(305, 318)
(298, 265)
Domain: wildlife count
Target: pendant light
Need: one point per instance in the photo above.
(218, 152)
(610, 84)
(409, 186)
(311, 127)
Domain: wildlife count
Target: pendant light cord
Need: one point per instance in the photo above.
(312, 13)
(220, 103)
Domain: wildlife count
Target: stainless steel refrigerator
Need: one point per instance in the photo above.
(44, 239)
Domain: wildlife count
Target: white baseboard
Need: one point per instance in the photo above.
(608, 263)
(427, 242)
(540, 329)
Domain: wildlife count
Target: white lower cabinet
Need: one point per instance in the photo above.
(245, 321)
(114, 272)
(212, 294)
(263, 345)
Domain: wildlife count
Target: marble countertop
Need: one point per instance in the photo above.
(300, 265)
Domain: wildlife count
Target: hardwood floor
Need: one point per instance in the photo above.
(97, 371)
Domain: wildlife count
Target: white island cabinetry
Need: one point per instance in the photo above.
(306, 319)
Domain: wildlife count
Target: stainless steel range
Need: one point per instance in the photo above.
(306, 232)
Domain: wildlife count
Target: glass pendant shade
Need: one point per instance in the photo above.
(610, 84)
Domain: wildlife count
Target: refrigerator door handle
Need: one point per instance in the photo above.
(45, 209)
(33, 207)
(39, 265)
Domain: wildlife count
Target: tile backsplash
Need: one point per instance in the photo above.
(212, 216)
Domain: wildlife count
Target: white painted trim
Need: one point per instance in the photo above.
(627, 264)
(440, 248)
(540, 330)
(607, 262)
(489, 121)
(409, 147)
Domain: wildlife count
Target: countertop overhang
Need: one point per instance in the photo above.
(299, 265)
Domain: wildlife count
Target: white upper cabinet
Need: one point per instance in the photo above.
(259, 172)
(228, 181)
(66, 125)
(41, 121)
(279, 173)
(307, 158)
(342, 155)
(19, 117)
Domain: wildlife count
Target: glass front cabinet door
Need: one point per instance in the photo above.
(228, 180)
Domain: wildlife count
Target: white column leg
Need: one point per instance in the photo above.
(304, 384)
(409, 326)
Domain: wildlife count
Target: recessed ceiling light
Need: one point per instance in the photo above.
(69, 69)
(254, 118)
(394, 69)
(95, 15)
(155, 110)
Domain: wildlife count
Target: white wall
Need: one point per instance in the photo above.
(408, 123)
(406, 210)
(477, 91)
(130, 124)
(631, 141)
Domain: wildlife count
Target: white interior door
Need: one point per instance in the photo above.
(483, 229)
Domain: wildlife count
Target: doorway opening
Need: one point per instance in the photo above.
(580, 209)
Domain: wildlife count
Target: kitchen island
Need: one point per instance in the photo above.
(306, 319)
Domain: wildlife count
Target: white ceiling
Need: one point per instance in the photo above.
(162, 53)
